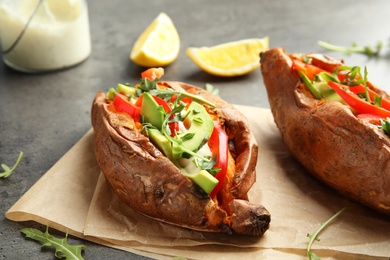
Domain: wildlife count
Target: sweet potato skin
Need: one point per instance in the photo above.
(348, 154)
(151, 184)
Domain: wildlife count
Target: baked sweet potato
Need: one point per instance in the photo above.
(331, 139)
(148, 182)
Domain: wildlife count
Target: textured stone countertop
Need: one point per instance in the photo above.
(44, 115)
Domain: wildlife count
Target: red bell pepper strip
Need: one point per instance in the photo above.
(187, 100)
(163, 103)
(122, 104)
(358, 89)
(138, 103)
(309, 70)
(360, 105)
(173, 126)
(373, 119)
(153, 73)
(218, 144)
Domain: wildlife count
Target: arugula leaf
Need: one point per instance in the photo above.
(7, 171)
(63, 249)
(208, 165)
(147, 85)
(313, 237)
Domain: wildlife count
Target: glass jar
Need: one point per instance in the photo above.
(44, 35)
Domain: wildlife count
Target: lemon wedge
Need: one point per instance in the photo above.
(158, 45)
(230, 59)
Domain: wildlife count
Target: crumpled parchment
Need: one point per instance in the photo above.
(74, 197)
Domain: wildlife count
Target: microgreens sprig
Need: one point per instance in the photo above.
(313, 237)
(354, 77)
(151, 86)
(366, 50)
(7, 171)
(146, 85)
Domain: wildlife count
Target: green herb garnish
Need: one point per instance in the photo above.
(385, 123)
(178, 141)
(146, 85)
(313, 237)
(63, 249)
(210, 88)
(7, 171)
(208, 165)
(366, 50)
(354, 77)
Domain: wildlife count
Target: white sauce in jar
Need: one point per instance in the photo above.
(57, 36)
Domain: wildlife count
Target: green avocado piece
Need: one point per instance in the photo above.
(204, 180)
(327, 92)
(162, 143)
(127, 90)
(152, 112)
(200, 124)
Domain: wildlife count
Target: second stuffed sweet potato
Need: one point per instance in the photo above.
(329, 137)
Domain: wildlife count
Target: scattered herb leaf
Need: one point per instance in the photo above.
(63, 249)
(7, 171)
(210, 88)
(313, 237)
(366, 50)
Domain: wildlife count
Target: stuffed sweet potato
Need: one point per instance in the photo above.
(333, 121)
(145, 160)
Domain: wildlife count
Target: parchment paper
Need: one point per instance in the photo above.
(74, 197)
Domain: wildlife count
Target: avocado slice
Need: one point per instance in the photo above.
(327, 92)
(162, 143)
(204, 180)
(127, 90)
(152, 112)
(200, 124)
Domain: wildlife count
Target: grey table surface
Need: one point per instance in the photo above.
(44, 115)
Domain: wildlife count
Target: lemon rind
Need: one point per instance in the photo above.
(237, 71)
